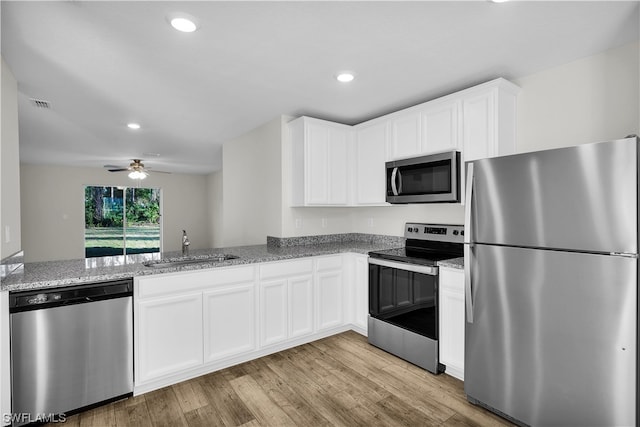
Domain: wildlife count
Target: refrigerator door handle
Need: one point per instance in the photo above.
(467, 283)
(468, 246)
(468, 227)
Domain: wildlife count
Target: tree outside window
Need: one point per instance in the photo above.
(121, 220)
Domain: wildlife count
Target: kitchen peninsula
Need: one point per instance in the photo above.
(197, 318)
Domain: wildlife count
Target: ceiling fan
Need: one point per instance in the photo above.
(136, 169)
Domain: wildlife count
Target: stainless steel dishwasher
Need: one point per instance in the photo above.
(71, 348)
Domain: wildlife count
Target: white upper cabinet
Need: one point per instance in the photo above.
(440, 126)
(339, 165)
(370, 175)
(489, 120)
(320, 162)
(406, 135)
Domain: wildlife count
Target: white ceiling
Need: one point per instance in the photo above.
(103, 64)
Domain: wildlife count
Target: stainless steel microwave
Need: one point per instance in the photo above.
(434, 178)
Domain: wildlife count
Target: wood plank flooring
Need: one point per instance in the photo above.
(336, 381)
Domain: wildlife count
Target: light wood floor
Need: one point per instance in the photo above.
(340, 380)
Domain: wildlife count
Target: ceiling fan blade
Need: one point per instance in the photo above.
(118, 170)
(155, 171)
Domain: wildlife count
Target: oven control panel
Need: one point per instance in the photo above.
(438, 232)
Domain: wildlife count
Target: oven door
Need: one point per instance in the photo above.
(405, 295)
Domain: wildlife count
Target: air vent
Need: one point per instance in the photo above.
(40, 103)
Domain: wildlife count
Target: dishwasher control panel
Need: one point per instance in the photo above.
(43, 298)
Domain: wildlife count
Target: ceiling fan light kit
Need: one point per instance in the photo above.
(136, 169)
(137, 175)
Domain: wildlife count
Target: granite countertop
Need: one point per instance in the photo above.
(62, 273)
(38, 275)
(452, 263)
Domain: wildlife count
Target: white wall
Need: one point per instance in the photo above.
(589, 100)
(9, 165)
(53, 209)
(215, 212)
(251, 183)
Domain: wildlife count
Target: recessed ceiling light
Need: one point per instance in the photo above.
(498, 1)
(345, 77)
(133, 125)
(184, 24)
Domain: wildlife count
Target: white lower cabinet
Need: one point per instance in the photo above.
(286, 301)
(359, 286)
(191, 323)
(184, 321)
(229, 321)
(451, 321)
(300, 307)
(169, 337)
(329, 292)
(273, 312)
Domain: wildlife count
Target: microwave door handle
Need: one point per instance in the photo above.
(394, 189)
(399, 182)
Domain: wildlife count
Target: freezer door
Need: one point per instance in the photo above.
(577, 198)
(553, 338)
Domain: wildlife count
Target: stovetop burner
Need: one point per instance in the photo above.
(426, 244)
(414, 256)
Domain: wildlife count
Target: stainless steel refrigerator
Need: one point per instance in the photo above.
(551, 259)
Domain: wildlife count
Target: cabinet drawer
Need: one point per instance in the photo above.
(182, 282)
(329, 262)
(286, 268)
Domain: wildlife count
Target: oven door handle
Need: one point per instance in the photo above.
(422, 269)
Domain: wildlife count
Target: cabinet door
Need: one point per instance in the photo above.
(273, 309)
(452, 321)
(361, 291)
(371, 144)
(229, 321)
(338, 166)
(440, 127)
(300, 305)
(169, 335)
(479, 126)
(329, 299)
(316, 164)
(326, 164)
(405, 136)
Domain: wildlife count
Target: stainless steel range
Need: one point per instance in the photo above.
(403, 292)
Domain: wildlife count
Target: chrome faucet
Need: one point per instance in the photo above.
(185, 243)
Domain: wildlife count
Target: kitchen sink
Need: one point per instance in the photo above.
(177, 262)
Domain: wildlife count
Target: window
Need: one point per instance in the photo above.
(121, 221)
